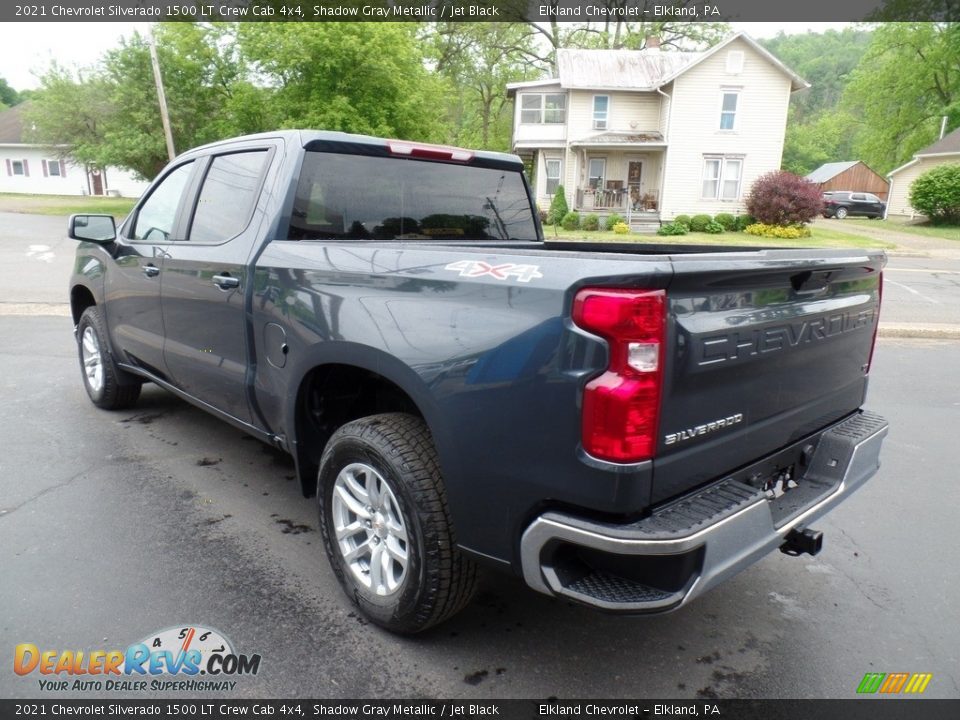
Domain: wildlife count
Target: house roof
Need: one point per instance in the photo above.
(619, 69)
(949, 143)
(638, 70)
(11, 125)
(642, 137)
(830, 170)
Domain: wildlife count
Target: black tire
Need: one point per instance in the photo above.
(117, 389)
(438, 580)
(841, 213)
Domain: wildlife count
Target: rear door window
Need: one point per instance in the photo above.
(229, 192)
(360, 197)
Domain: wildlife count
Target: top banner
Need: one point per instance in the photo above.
(547, 11)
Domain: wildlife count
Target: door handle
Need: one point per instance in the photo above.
(151, 270)
(226, 281)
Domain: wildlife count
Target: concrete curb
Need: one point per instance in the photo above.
(35, 309)
(930, 331)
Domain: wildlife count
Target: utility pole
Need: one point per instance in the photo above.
(161, 96)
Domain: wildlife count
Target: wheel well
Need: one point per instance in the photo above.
(80, 299)
(331, 396)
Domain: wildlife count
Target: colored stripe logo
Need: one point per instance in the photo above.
(894, 683)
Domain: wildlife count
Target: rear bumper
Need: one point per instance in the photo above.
(687, 546)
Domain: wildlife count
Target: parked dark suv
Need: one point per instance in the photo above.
(841, 203)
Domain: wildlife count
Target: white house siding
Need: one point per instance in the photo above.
(898, 202)
(628, 111)
(38, 179)
(695, 121)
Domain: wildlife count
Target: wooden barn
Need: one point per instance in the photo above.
(854, 175)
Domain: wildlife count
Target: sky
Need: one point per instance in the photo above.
(27, 49)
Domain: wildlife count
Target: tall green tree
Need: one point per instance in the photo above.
(8, 96)
(356, 77)
(825, 60)
(110, 114)
(477, 60)
(906, 82)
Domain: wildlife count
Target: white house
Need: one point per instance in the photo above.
(654, 134)
(944, 151)
(31, 168)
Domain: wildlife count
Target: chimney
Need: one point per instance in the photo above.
(652, 43)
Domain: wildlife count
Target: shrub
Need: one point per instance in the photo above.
(674, 228)
(743, 221)
(571, 221)
(613, 219)
(936, 194)
(558, 207)
(787, 232)
(782, 198)
(714, 228)
(621, 228)
(682, 220)
(698, 223)
(726, 220)
(544, 215)
(590, 222)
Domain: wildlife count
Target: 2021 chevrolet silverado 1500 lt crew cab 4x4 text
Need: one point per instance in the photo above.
(624, 425)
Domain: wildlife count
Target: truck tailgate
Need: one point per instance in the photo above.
(762, 349)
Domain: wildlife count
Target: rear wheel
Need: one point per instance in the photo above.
(386, 526)
(841, 213)
(108, 386)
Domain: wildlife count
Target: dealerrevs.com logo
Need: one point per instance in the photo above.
(187, 658)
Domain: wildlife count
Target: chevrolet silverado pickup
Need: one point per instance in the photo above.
(621, 424)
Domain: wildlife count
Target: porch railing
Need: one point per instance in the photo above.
(602, 199)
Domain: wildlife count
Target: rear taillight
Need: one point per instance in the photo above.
(621, 407)
(873, 343)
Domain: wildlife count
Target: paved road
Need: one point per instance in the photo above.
(115, 525)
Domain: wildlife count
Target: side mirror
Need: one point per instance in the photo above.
(100, 229)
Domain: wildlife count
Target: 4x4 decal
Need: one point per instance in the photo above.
(478, 268)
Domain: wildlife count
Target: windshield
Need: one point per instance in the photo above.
(358, 197)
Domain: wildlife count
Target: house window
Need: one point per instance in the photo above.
(597, 169)
(728, 109)
(17, 167)
(601, 108)
(543, 108)
(553, 168)
(735, 62)
(53, 168)
(721, 178)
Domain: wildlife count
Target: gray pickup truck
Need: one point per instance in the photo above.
(624, 425)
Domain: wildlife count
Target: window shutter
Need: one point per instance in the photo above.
(26, 168)
(43, 164)
(63, 168)
(9, 168)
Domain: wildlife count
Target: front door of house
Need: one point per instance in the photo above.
(634, 183)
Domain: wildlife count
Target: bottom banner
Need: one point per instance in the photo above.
(860, 709)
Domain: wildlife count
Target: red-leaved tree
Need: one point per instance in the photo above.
(782, 198)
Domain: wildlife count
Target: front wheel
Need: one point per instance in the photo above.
(108, 386)
(386, 526)
(841, 213)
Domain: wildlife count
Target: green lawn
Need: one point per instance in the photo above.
(822, 237)
(65, 204)
(948, 232)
